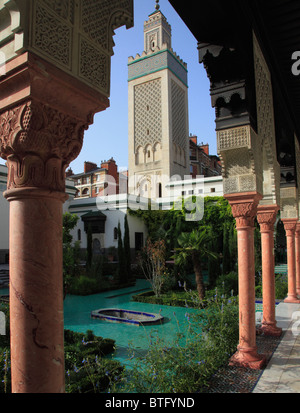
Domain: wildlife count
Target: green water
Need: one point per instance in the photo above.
(77, 314)
(77, 317)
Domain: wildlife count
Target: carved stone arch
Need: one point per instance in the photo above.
(157, 153)
(99, 23)
(144, 186)
(10, 27)
(5, 20)
(13, 9)
(148, 153)
(118, 18)
(139, 155)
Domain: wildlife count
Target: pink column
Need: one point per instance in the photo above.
(244, 208)
(266, 216)
(41, 132)
(297, 247)
(36, 290)
(290, 230)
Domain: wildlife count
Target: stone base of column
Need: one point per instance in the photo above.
(248, 358)
(270, 330)
(292, 299)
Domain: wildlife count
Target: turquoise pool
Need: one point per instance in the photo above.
(77, 317)
(77, 314)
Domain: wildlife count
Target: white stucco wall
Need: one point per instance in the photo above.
(114, 214)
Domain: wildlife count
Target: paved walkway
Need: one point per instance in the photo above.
(282, 374)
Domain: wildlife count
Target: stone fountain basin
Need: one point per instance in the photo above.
(127, 316)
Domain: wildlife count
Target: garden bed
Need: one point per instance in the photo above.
(172, 298)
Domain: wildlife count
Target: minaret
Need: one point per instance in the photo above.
(158, 132)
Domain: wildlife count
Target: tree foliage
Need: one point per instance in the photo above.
(127, 253)
(217, 220)
(195, 245)
(70, 251)
(152, 261)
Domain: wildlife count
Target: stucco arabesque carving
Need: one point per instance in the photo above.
(244, 213)
(38, 143)
(266, 124)
(290, 227)
(266, 220)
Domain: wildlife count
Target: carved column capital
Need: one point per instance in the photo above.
(38, 143)
(290, 226)
(266, 217)
(297, 230)
(244, 208)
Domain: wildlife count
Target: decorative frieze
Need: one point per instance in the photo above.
(266, 126)
(240, 154)
(233, 138)
(289, 202)
(51, 34)
(155, 61)
(179, 115)
(147, 114)
(67, 33)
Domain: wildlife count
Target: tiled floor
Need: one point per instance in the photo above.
(282, 375)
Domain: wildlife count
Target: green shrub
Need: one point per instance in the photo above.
(84, 285)
(86, 368)
(172, 298)
(186, 366)
(281, 286)
(228, 283)
(93, 375)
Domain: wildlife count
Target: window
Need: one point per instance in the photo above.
(159, 190)
(148, 154)
(85, 192)
(79, 235)
(212, 189)
(115, 233)
(139, 241)
(96, 246)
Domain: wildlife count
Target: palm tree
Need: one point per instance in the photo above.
(194, 245)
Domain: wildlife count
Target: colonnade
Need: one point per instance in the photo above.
(245, 208)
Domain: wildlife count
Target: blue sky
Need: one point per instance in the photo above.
(108, 136)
